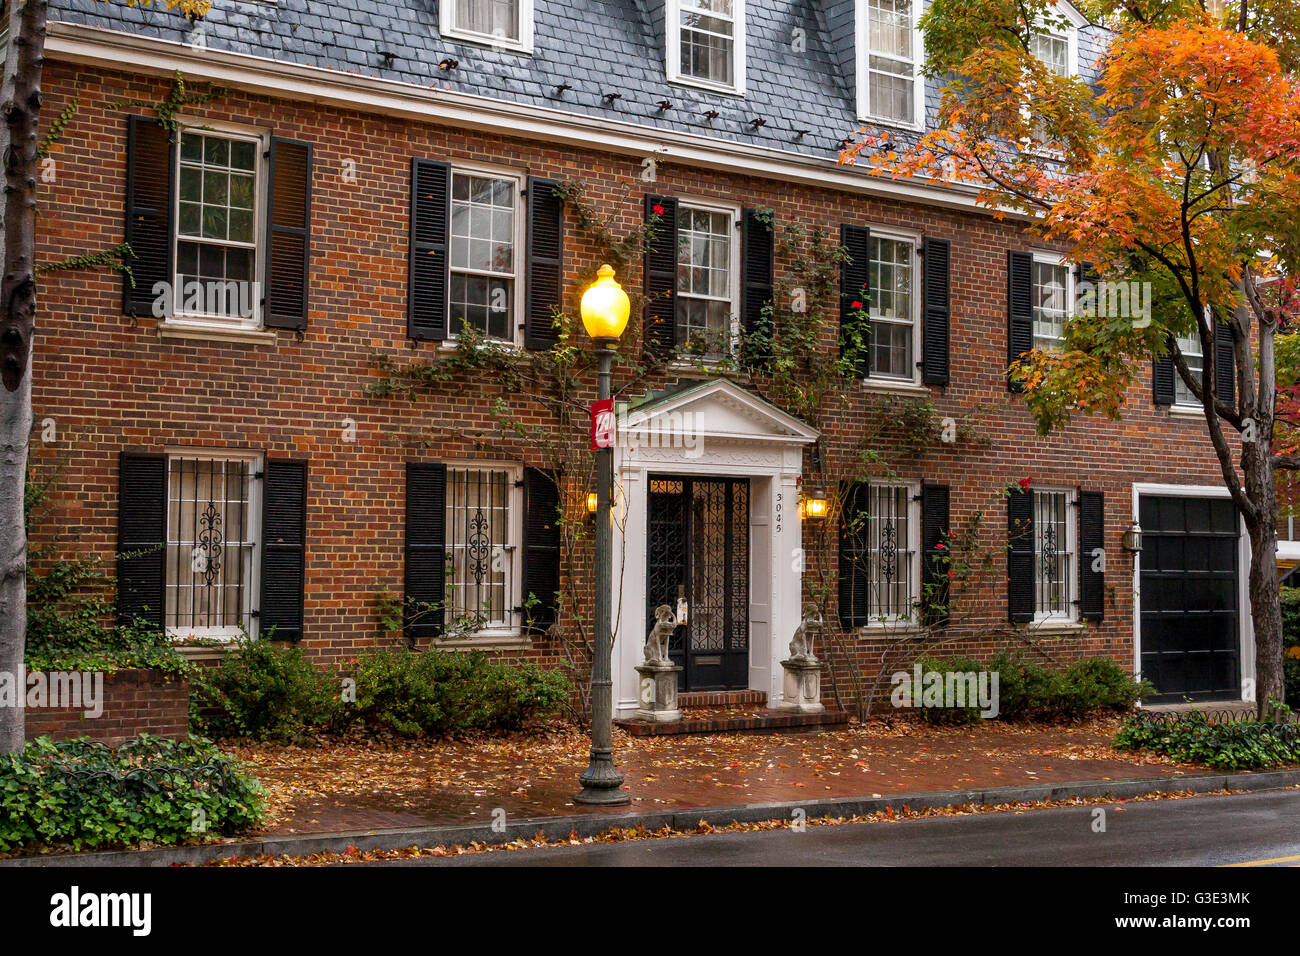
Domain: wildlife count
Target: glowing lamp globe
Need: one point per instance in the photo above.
(605, 307)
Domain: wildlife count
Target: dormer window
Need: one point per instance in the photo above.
(890, 86)
(503, 23)
(1056, 41)
(706, 43)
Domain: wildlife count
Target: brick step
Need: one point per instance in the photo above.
(690, 700)
(744, 722)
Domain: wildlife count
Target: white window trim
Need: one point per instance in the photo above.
(1071, 617)
(447, 27)
(1071, 284)
(520, 238)
(734, 214)
(862, 67)
(187, 324)
(886, 381)
(515, 541)
(673, 50)
(253, 587)
(912, 621)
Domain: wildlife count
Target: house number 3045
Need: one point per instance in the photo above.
(780, 508)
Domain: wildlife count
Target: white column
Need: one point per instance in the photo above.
(787, 576)
(630, 626)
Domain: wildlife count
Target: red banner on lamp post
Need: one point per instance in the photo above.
(602, 424)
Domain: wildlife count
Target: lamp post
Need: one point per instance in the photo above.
(605, 310)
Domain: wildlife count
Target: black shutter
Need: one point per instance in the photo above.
(853, 558)
(855, 282)
(141, 538)
(1162, 380)
(938, 310)
(426, 535)
(541, 548)
(1020, 556)
(661, 278)
(1092, 537)
(1020, 309)
(545, 263)
(426, 310)
(935, 547)
(284, 550)
(150, 172)
(758, 269)
(1225, 365)
(288, 235)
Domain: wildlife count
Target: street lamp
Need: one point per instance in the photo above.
(605, 310)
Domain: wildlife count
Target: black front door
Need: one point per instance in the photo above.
(697, 555)
(1189, 582)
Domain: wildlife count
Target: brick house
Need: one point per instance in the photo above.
(378, 179)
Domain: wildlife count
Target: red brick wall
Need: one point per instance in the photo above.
(134, 702)
(110, 382)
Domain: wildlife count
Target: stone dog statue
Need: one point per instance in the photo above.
(801, 648)
(656, 644)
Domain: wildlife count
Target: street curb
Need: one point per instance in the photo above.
(594, 824)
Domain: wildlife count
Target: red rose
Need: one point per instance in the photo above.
(857, 305)
(1025, 483)
(658, 210)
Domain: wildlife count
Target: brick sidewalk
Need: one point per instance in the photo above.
(376, 785)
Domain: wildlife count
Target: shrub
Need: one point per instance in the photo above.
(265, 691)
(1029, 691)
(1291, 645)
(1249, 744)
(82, 794)
(436, 693)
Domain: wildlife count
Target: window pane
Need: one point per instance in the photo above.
(483, 253)
(1053, 560)
(891, 307)
(1052, 50)
(1051, 304)
(707, 41)
(890, 579)
(1191, 348)
(704, 305)
(498, 18)
(891, 79)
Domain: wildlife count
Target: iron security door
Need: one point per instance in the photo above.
(1190, 610)
(698, 553)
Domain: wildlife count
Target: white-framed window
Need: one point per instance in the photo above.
(708, 266)
(892, 534)
(211, 573)
(487, 241)
(483, 543)
(1053, 300)
(1055, 554)
(894, 307)
(503, 23)
(705, 42)
(1054, 50)
(218, 236)
(890, 86)
(1190, 345)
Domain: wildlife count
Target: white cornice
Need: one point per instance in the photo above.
(109, 50)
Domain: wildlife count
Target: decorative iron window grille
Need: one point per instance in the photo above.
(890, 578)
(480, 556)
(1053, 557)
(210, 546)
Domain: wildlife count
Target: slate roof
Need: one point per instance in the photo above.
(594, 46)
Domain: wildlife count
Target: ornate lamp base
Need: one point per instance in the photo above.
(602, 785)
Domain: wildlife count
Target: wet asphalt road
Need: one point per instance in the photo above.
(1254, 829)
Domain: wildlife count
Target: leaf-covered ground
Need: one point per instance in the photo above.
(367, 783)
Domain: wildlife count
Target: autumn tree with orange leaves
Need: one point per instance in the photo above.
(1178, 165)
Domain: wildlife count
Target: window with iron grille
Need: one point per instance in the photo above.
(893, 308)
(1054, 555)
(892, 578)
(211, 573)
(482, 551)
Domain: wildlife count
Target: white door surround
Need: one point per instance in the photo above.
(711, 428)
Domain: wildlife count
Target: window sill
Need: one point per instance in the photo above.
(492, 42)
(903, 125)
(876, 629)
(485, 642)
(1187, 411)
(183, 329)
(1059, 627)
(724, 90)
(447, 346)
(888, 387)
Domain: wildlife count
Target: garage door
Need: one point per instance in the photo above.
(1189, 622)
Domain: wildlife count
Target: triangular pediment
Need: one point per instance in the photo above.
(716, 409)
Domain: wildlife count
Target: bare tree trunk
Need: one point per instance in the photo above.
(1265, 599)
(22, 104)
